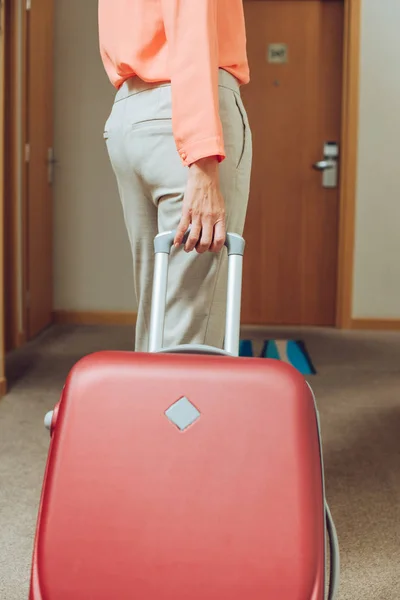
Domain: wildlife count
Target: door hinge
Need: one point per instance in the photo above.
(51, 162)
(28, 4)
(27, 152)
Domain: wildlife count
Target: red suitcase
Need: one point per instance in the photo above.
(187, 474)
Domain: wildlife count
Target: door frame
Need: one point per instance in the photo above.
(348, 161)
(3, 383)
(16, 168)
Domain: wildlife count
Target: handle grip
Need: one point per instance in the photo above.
(163, 242)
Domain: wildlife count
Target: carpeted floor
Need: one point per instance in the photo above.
(358, 392)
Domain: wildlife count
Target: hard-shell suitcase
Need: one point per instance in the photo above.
(184, 474)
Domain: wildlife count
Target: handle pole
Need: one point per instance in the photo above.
(233, 304)
(158, 302)
(162, 248)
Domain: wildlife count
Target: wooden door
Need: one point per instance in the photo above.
(294, 107)
(39, 223)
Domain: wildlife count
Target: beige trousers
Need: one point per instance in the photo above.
(151, 181)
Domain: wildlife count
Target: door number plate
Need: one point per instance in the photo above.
(278, 53)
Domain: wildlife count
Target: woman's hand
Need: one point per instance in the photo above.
(203, 209)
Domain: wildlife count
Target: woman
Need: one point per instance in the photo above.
(180, 146)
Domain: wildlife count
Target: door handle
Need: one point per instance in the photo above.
(328, 166)
(322, 165)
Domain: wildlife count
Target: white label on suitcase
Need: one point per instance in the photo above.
(182, 414)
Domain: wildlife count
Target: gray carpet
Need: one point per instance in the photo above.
(358, 392)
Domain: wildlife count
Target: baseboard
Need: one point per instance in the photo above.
(376, 324)
(3, 386)
(71, 317)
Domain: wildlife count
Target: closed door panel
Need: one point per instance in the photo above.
(39, 228)
(294, 107)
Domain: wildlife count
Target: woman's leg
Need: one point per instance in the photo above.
(140, 213)
(196, 296)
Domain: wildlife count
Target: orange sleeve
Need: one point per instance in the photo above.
(192, 40)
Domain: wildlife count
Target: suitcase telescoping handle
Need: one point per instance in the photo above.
(162, 247)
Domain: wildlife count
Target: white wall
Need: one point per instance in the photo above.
(377, 257)
(92, 256)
